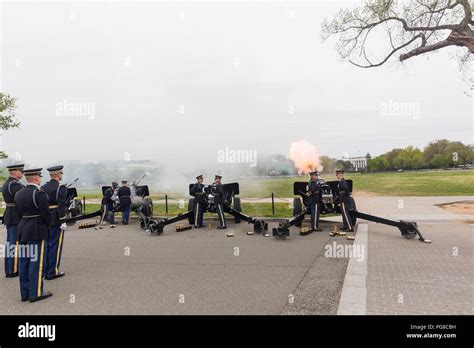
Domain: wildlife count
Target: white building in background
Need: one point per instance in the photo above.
(359, 163)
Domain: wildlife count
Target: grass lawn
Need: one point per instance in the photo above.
(441, 183)
(445, 183)
(253, 209)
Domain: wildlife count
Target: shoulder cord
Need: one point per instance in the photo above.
(34, 199)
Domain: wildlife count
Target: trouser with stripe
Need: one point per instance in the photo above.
(346, 218)
(103, 215)
(11, 257)
(198, 213)
(32, 263)
(54, 251)
(315, 215)
(220, 214)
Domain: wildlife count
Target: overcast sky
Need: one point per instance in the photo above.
(177, 82)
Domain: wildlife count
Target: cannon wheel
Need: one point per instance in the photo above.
(155, 228)
(147, 208)
(191, 208)
(409, 234)
(238, 207)
(78, 209)
(297, 209)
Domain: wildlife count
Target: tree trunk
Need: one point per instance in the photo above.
(463, 38)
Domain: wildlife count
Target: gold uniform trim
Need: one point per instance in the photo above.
(59, 250)
(349, 222)
(40, 275)
(197, 214)
(15, 259)
(221, 215)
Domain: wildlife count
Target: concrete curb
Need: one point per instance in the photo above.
(353, 299)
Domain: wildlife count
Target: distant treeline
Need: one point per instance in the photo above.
(440, 154)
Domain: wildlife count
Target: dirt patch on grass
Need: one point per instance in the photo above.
(461, 207)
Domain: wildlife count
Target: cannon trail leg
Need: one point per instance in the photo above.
(157, 226)
(408, 229)
(82, 217)
(259, 225)
(283, 230)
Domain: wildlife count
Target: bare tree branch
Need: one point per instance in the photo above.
(437, 23)
(388, 56)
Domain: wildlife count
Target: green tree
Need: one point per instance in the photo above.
(7, 115)
(390, 156)
(440, 161)
(459, 153)
(444, 153)
(409, 158)
(434, 148)
(328, 163)
(377, 164)
(343, 165)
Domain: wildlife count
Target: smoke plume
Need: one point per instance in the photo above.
(305, 157)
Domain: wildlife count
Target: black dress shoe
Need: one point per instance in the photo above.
(13, 275)
(59, 275)
(317, 229)
(221, 227)
(42, 297)
(26, 299)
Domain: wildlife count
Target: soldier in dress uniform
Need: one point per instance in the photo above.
(11, 218)
(108, 209)
(313, 191)
(33, 230)
(218, 192)
(124, 195)
(57, 196)
(344, 200)
(197, 191)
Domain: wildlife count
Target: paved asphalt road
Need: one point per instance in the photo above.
(267, 276)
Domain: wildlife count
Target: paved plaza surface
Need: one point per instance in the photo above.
(410, 277)
(400, 276)
(128, 271)
(199, 271)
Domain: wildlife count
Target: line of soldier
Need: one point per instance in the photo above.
(198, 191)
(35, 233)
(33, 220)
(110, 197)
(314, 194)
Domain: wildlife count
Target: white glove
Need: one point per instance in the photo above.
(63, 226)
